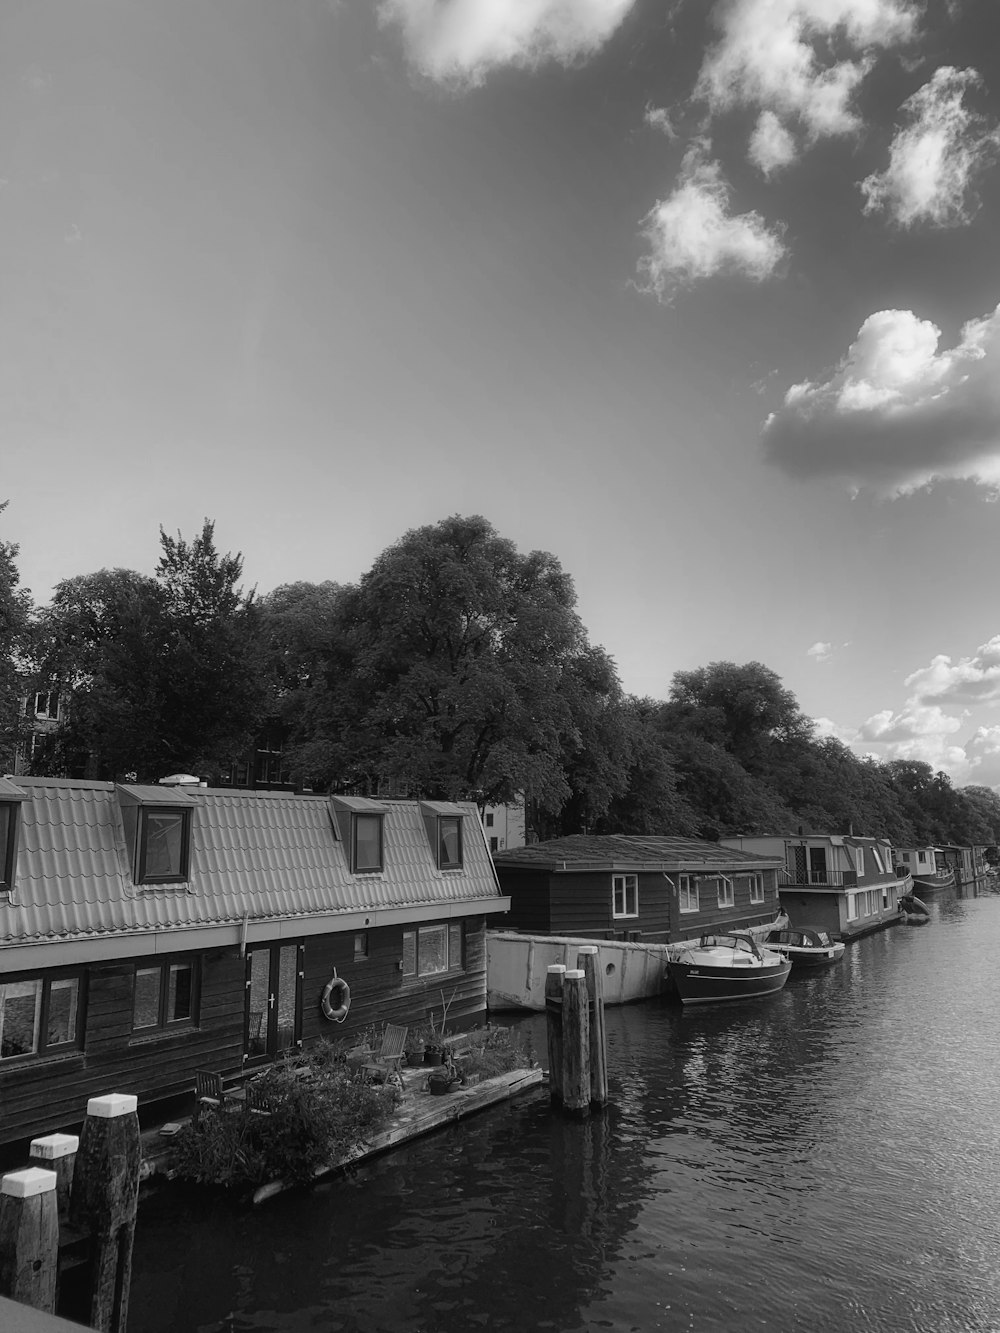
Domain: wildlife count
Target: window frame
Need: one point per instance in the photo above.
(163, 1023)
(142, 876)
(688, 888)
(356, 817)
(756, 887)
(628, 886)
(44, 1049)
(725, 893)
(8, 846)
(455, 820)
(454, 937)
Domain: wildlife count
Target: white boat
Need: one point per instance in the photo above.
(805, 948)
(726, 967)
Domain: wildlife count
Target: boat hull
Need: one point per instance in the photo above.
(930, 883)
(803, 959)
(702, 983)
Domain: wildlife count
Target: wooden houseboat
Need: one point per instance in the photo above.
(929, 868)
(637, 898)
(844, 885)
(146, 931)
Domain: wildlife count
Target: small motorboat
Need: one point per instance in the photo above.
(915, 912)
(726, 967)
(805, 948)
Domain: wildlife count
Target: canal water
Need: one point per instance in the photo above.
(827, 1158)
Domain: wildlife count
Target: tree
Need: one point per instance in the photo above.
(15, 612)
(162, 672)
(455, 668)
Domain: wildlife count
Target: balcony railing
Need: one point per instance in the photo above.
(840, 879)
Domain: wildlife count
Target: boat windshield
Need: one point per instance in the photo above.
(823, 938)
(740, 942)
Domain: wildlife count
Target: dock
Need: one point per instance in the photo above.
(419, 1113)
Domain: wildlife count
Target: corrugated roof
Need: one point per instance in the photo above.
(262, 855)
(621, 850)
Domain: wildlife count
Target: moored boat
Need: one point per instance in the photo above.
(805, 948)
(916, 912)
(726, 967)
(942, 879)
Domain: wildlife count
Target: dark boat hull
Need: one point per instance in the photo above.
(700, 983)
(930, 883)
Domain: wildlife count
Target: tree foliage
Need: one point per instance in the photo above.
(15, 611)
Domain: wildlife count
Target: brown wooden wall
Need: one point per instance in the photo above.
(38, 1096)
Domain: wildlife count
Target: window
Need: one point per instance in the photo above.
(878, 860)
(450, 842)
(494, 844)
(8, 824)
(726, 897)
(164, 995)
(367, 839)
(859, 853)
(688, 893)
(360, 945)
(429, 950)
(39, 1015)
(852, 907)
(755, 887)
(47, 704)
(906, 857)
(489, 819)
(624, 895)
(164, 846)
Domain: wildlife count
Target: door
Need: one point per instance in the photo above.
(817, 865)
(273, 1010)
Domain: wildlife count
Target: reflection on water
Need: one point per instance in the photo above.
(824, 1158)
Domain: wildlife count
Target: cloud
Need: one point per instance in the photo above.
(459, 42)
(801, 59)
(933, 160)
(914, 721)
(896, 413)
(970, 680)
(658, 118)
(771, 147)
(821, 651)
(824, 728)
(982, 755)
(692, 234)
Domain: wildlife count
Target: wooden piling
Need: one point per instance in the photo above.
(589, 961)
(103, 1201)
(57, 1152)
(554, 1027)
(29, 1238)
(576, 1042)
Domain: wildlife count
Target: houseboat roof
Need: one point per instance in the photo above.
(582, 851)
(254, 857)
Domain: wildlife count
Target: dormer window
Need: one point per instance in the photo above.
(11, 797)
(164, 846)
(158, 824)
(366, 843)
(450, 842)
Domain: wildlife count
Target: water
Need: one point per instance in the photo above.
(822, 1159)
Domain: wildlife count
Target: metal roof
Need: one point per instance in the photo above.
(591, 851)
(254, 855)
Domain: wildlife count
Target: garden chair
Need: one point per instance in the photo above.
(257, 1100)
(384, 1065)
(210, 1094)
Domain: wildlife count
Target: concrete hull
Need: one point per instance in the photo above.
(516, 965)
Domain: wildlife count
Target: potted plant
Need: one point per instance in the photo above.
(443, 1080)
(415, 1045)
(435, 1046)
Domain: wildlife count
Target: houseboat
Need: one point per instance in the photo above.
(929, 868)
(844, 885)
(637, 898)
(148, 931)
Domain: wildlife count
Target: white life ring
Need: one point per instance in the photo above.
(335, 1009)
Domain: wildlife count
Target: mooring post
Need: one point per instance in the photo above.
(576, 1042)
(103, 1201)
(29, 1237)
(589, 961)
(554, 1027)
(57, 1152)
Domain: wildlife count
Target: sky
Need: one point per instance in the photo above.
(700, 297)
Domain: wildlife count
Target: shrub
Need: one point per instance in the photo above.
(491, 1051)
(314, 1122)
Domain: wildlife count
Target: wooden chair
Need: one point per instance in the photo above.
(257, 1101)
(385, 1063)
(211, 1095)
